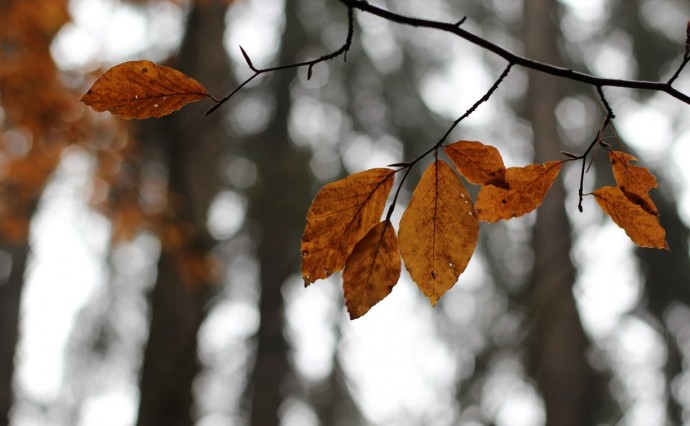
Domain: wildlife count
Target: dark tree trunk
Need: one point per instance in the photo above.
(559, 344)
(667, 275)
(10, 300)
(278, 205)
(178, 306)
(170, 361)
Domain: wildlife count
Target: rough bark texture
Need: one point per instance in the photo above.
(559, 346)
(191, 144)
(10, 299)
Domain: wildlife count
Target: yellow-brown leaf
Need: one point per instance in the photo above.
(634, 181)
(142, 89)
(478, 163)
(438, 231)
(342, 213)
(642, 227)
(528, 186)
(372, 269)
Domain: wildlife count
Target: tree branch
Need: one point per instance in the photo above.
(515, 59)
(310, 64)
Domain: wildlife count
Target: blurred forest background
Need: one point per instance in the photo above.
(149, 271)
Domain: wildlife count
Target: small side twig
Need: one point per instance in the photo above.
(686, 56)
(309, 64)
(596, 142)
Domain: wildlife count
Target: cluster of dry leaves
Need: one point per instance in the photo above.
(439, 229)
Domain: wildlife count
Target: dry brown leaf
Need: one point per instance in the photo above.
(142, 89)
(478, 163)
(372, 270)
(528, 186)
(642, 227)
(634, 181)
(342, 213)
(438, 231)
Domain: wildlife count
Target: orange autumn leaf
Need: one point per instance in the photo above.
(372, 270)
(642, 227)
(634, 181)
(342, 213)
(142, 89)
(478, 163)
(438, 231)
(528, 186)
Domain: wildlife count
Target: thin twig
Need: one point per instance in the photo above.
(309, 64)
(605, 102)
(407, 169)
(595, 142)
(686, 59)
(517, 59)
(407, 166)
(483, 99)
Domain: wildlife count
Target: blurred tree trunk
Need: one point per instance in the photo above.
(278, 205)
(30, 94)
(178, 306)
(331, 398)
(559, 344)
(667, 275)
(10, 300)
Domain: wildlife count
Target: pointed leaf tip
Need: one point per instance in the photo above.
(142, 89)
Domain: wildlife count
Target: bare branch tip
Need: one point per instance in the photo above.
(246, 58)
(212, 109)
(460, 22)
